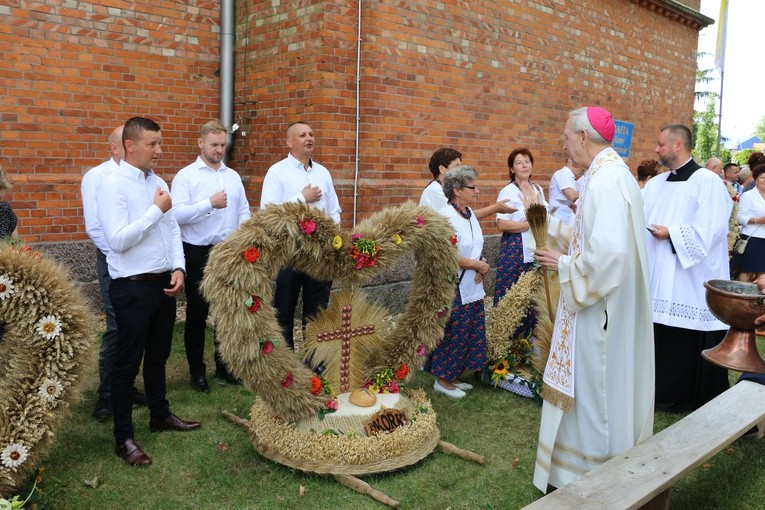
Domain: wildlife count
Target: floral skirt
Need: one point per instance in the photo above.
(464, 344)
(510, 267)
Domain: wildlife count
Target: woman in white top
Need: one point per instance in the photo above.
(751, 217)
(464, 344)
(516, 251)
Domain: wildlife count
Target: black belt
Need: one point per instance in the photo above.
(148, 277)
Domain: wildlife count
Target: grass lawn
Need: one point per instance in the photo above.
(218, 468)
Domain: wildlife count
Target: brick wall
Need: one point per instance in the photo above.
(482, 76)
(485, 77)
(72, 71)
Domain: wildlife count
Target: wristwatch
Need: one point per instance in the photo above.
(180, 269)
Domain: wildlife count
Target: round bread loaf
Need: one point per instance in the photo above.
(362, 397)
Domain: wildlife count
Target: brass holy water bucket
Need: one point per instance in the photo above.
(736, 304)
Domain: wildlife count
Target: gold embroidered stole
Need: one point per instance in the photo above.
(559, 373)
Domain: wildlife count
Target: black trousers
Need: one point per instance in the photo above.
(288, 285)
(197, 310)
(145, 318)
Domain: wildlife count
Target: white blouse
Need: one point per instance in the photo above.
(751, 204)
(515, 195)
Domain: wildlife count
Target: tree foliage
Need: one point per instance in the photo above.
(706, 130)
(759, 129)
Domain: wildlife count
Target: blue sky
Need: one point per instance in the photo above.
(743, 104)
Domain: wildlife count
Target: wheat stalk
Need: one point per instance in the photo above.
(536, 215)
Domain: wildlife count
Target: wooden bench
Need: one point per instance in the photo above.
(642, 477)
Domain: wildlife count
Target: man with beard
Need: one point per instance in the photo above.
(686, 214)
(209, 203)
(298, 178)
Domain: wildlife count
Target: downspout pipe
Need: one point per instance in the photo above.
(227, 11)
(358, 118)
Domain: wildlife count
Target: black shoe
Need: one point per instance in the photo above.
(103, 410)
(199, 383)
(222, 373)
(139, 398)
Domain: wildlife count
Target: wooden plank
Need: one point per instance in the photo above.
(634, 478)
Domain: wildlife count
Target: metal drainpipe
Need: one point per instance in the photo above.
(358, 87)
(227, 70)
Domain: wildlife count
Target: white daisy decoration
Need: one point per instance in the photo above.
(49, 327)
(6, 287)
(50, 389)
(14, 455)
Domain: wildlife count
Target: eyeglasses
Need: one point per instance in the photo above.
(472, 187)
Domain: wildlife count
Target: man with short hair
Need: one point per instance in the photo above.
(298, 178)
(732, 172)
(686, 213)
(433, 196)
(715, 165)
(209, 203)
(598, 381)
(146, 265)
(89, 190)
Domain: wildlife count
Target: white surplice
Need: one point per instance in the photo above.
(604, 285)
(697, 212)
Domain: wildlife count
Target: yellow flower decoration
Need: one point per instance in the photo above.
(337, 242)
(396, 239)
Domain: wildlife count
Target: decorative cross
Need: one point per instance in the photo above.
(345, 333)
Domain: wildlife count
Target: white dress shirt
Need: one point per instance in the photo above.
(513, 192)
(561, 180)
(470, 246)
(285, 180)
(141, 238)
(751, 204)
(200, 223)
(433, 196)
(89, 188)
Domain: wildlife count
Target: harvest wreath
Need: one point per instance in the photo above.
(45, 329)
(298, 420)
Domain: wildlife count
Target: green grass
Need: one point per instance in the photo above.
(217, 466)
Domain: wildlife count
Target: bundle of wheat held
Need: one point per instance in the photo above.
(536, 215)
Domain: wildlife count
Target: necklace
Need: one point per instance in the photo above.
(466, 214)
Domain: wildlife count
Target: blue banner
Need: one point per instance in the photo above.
(622, 138)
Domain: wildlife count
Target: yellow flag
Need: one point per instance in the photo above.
(722, 29)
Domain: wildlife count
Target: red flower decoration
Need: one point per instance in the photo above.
(251, 254)
(442, 312)
(287, 381)
(266, 347)
(255, 306)
(420, 221)
(453, 239)
(402, 372)
(316, 385)
(308, 226)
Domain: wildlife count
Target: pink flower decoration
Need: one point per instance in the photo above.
(332, 404)
(392, 387)
(421, 349)
(355, 237)
(420, 221)
(287, 381)
(308, 226)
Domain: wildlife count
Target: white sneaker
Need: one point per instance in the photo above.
(463, 385)
(455, 393)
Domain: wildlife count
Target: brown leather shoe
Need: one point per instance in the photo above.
(131, 453)
(172, 422)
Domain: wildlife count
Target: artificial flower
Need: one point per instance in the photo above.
(337, 242)
(364, 252)
(308, 226)
(14, 455)
(6, 287)
(266, 346)
(252, 304)
(396, 239)
(251, 254)
(332, 404)
(420, 221)
(421, 349)
(402, 371)
(316, 385)
(453, 239)
(443, 311)
(48, 327)
(50, 389)
(355, 237)
(288, 379)
(392, 387)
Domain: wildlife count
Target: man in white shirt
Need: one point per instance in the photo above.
(209, 203)
(91, 182)
(564, 192)
(146, 265)
(686, 212)
(732, 172)
(298, 178)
